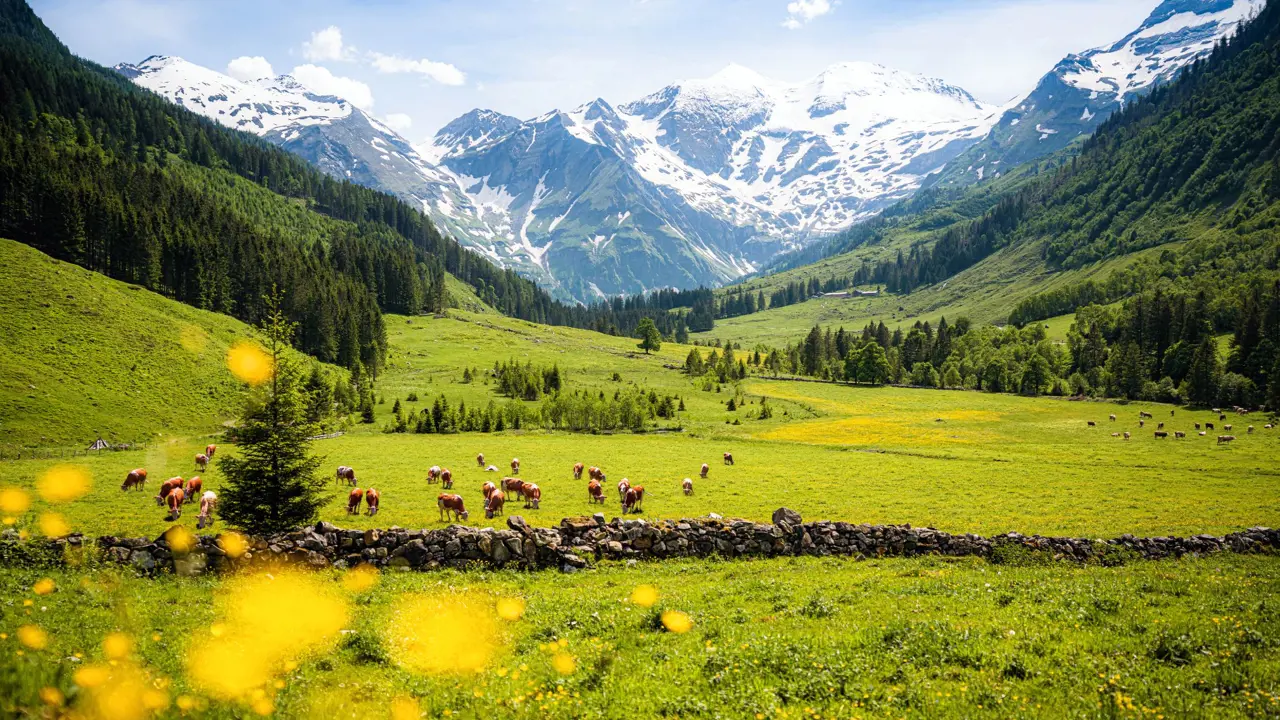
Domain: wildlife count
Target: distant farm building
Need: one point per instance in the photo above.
(851, 294)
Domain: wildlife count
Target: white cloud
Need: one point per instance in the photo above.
(250, 68)
(398, 122)
(800, 12)
(443, 73)
(327, 44)
(319, 80)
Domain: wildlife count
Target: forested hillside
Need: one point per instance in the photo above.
(96, 171)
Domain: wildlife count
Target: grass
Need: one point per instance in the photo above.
(995, 463)
(782, 638)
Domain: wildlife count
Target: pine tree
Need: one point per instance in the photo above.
(650, 338)
(273, 485)
(1202, 380)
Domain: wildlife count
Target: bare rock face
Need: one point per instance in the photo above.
(786, 516)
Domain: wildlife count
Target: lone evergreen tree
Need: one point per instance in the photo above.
(650, 338)
(273, 486)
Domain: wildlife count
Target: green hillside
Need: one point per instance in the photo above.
(87, 356)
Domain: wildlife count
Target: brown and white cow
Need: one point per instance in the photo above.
(595, 473)
(1113, 417)
(532, 495)
(1161, 434)
(1226, 428)
(728, 458)
(345, 474)
(688, 486)
(446, 479)
(451, 506)
(354, 498)
(433, 474)
(480, 460)
(632, 501)
(488, 489)
(1126, 434)
(1208, 426)
(515, 466)
(1225, 438)
(174, 500)
(135, 480)
(208, 504)
(371, 500)
(494, 504)
(193, 488)
(705, 469)
(595, 493)
(167, 488)
(577, 471)
(623, 486)
(1178, 434)
(202, 462)
(513, 486)
(1092, 423)
(209, 450)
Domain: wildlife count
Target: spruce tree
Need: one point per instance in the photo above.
(272, 485)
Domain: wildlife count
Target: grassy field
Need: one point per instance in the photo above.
(87, 356)
(784, 638)
(959, 461)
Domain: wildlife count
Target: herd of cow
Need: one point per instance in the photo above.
(1160, 433)
(175, 492)
(453, 507)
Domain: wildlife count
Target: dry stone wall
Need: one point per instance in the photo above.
(578, 542)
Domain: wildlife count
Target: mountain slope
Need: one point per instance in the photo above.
(1083, 90)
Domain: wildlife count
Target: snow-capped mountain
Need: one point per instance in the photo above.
(1082, 90)
(331, 133)
(704, 180)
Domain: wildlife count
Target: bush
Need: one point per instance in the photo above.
(1108, 555)
(412, 397)
(1017, 555)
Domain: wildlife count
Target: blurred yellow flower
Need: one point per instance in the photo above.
(52, 696)
(14, 501)
(117, 646)
(443, 634)
(511, 608)
(180, 539)
(233, 544)
(118, 692)
(185, 702)
(564, 663)
(405, 708)
(63, 483)
(53, 525)
(263, 706)
(33, 637)
(644, 595)
(91, 676)
(43, 587)
(360, 578)
(676, 621)
(249, 363)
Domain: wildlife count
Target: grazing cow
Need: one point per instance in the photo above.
(1197, 426)
(1144, 414)
(480, 460)
(202, 462)
(1115, 434)
(1171, 413)
(167, 488)
(1092, 424)
(452, 506)
(728, 458)
(623, 486)
(354, 498)
(208, 503)
(1126, 434)
(493, 506)
(1208, 426)
(1268, 426)
(345, 474)
(577, 471)
(136, 479)
(446, 479)
(1250, 428)
(371, 499)
(433, 474)
(488, 489)
(1225, 438)
(515, 466)
(491, 468)
(1160, 434)
(209, 450)
(174, 500)
(632, 501)
(687, 485)
(193, 488)
(1160, 426)
(532, 496)
(705, 469)
(513, 486)
(1226, 428)
(1142, 423)
(595, 493)
(1202, 433)
(1178, 434)
(1222, 416)
(1113, 417)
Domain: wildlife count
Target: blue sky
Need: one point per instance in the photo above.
(421, 63)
